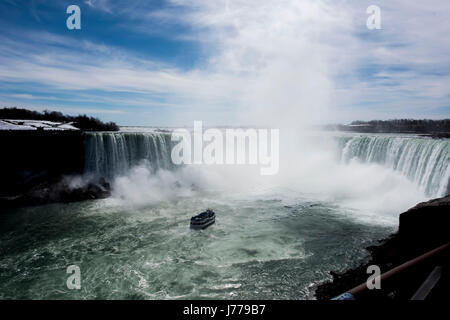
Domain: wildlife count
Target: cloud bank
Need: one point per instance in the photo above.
(278, 63)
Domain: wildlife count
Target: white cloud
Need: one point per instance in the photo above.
(282, 62)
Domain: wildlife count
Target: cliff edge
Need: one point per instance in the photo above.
(421, 229)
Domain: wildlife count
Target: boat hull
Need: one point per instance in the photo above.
(203, 225)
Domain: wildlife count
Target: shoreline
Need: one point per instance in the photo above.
(422, 228)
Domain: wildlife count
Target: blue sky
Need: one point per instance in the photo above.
(284, 62)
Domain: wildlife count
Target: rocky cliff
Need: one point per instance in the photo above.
(38, 167)
(421, 229)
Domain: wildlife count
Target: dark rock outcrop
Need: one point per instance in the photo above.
(41, 167)
(62, 191)
(32, 158)
(421, 229)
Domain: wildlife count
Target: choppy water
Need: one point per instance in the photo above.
(258, 249)
(273, 239)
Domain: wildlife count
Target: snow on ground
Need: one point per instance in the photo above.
(7, 124)
(10, 126)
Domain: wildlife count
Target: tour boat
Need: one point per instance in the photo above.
(203, 220)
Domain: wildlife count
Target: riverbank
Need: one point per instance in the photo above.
(421, 229)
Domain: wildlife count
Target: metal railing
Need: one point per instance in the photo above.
(390, 275)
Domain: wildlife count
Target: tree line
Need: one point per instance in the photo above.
(396, 126)
(82, 122)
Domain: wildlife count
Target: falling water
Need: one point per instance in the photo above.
(423, 160)
(112, 154)
(267, 243)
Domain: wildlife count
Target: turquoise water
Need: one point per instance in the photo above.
(259, 249)
(274, 237)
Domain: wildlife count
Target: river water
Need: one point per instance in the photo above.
(273, 238)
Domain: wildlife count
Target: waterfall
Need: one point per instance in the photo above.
(112, 154)
(424, 161)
